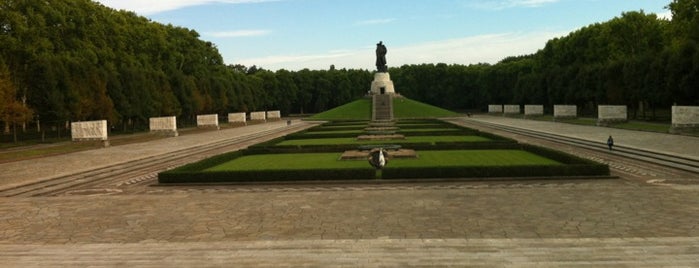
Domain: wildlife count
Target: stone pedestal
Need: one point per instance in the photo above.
(382, 84)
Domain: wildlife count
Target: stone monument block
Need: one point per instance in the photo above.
(533, 110)
(208, 120)
(511, 109)
(565, 111)
(237, 119)
(166, 125)
(274, 115)
(495, 108)
(609, 114)
(685, 119)
(382, 84)
(89, 130)
(258, 116)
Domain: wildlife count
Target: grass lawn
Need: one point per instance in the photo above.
(356, 110)
(457, 158)
(311, 133)
(454, 158)
(415, 139)
(644, 126)
(407, 108)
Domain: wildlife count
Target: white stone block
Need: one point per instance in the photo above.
(611, 114)
(167, 123)
(89, 130)
(236, 118)
(685, 116)
(563, 111)
(533, 110)
(274, 115)
(495, 108)
(207, 120)
(258, 116)
(511, 109)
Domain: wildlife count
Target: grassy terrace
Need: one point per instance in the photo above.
(415, 139)
(443, 150)
(455, 158)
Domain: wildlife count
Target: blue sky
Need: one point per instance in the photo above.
(297, 34)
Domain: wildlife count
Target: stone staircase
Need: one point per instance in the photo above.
(381, 252)
(382, 107)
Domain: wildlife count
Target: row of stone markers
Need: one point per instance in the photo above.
(684, 118)
(97, 130)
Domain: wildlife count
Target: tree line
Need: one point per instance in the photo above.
(635, 59)
(72, 60)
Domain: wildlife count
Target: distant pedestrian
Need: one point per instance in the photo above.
(610, 142)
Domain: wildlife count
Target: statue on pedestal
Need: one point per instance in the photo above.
(381, 57)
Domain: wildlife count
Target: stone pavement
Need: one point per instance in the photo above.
(584, 223)
(26, 171)
(686, 146)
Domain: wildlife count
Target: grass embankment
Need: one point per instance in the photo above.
(413, 139)
(403, 108)
(453, 158)
(356, 110)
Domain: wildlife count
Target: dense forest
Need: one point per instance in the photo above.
(71, 60)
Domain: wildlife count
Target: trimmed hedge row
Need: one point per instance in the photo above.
(503, 171)
(179, 176)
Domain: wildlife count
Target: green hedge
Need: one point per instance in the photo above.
(502, 171)
(180, 176)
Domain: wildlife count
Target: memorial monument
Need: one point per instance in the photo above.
(382, 83)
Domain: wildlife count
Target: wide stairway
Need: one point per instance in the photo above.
(382, 107)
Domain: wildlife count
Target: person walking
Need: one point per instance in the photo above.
(610, 142)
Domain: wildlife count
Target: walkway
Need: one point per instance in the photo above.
(592, 223)
(686, 146)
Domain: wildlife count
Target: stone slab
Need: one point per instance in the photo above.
(511, 109)
(611, 114)
(533, 110)
(565, 111)
(89, 130)
(258, 116)
(685, 116)
(274, 115)
(167, 124)
(207, 120)
(237, 119)
(495, 108)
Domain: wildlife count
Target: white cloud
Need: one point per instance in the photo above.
(505, 4)
(238, 33)
(665, 15)
(468, 50)
(375, 21)
(148, 7)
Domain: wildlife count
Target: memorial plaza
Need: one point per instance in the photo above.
(646, 216)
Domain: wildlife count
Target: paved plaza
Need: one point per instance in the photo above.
(624, 222)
